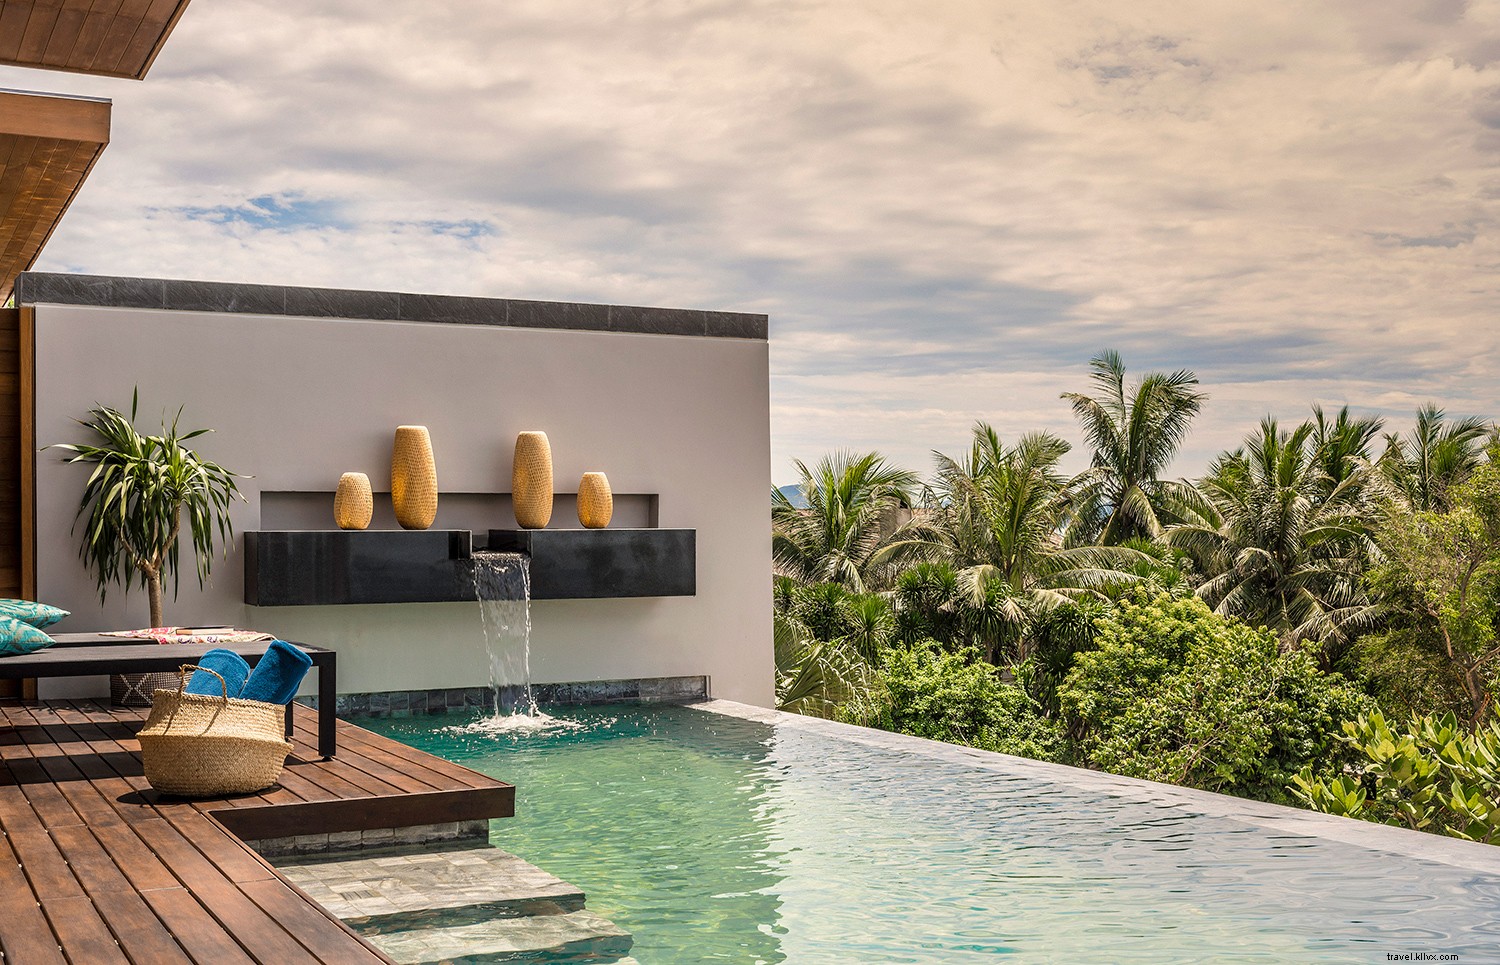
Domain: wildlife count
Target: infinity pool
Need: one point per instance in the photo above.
(719, 839)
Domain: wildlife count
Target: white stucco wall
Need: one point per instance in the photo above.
(297, 401)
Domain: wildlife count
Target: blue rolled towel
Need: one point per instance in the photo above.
(278, 675)
(227, 664)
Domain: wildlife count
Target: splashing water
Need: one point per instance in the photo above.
(502, 585)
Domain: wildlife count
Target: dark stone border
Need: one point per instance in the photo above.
(41, 287)
(467, 700)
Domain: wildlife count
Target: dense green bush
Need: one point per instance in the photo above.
(959, 698)
(1433, 775)
(1172, 692)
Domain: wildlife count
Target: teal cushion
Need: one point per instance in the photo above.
(17, 637)
(37, 614)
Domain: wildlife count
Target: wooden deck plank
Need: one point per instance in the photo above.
(84, 937)
(142, 936)
(56, 749)
(113, 871)
(44, 865)
(202, 936)
(25, 935)
(392, 757)
(307, 921)
(257, 932)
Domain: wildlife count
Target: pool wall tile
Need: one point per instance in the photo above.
(404, 703)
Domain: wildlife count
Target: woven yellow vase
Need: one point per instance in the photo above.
(414, 492)
(353, 504)
(531, 480)
(596, 504)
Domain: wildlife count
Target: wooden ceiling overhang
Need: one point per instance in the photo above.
(111, 38)
(48, 144)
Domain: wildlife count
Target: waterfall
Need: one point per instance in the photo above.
(502, 587)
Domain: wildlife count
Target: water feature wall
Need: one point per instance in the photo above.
(303, 385)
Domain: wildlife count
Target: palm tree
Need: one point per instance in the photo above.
(1342, 443)
(135, 498)
(820, 678)
(848, 533)
(1281, 543)
(1435, 457)
(997, 518)
(1134, 436)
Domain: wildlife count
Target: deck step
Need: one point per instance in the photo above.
(403, 889)
(581, 936)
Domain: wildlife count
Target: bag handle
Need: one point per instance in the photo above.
(182, 675)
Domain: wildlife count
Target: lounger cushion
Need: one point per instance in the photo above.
(17, 637)
(37, 614)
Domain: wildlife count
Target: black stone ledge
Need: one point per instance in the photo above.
(54, 288)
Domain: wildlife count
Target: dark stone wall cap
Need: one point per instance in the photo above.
(106, 291)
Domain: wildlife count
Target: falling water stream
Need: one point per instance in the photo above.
(502, 586)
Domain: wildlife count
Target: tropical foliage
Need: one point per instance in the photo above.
(1242, 632)
(1282, 531)
(848, 532)
(1431, 775)
(133, 504)
(1172, 692)
(1134, 435)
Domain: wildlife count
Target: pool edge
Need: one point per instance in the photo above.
(1280, 818)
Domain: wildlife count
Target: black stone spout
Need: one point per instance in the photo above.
(329, 567)
(576, 564)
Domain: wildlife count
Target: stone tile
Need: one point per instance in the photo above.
(452, 308)
(139, 293)
(563, 315)
(380, 705)
(378, 836)
(342, 303)
(39, 287)
(656, 321)
(342, 840)
(437, 701)
(416, 702)
(207, 296)
(674, 688)
(310, 842)
(457, 699)
(736, 325)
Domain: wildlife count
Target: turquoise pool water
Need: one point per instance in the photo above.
(716, 839)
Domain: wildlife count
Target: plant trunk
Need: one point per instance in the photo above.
(153, 592)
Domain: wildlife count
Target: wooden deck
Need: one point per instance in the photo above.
(95, 867)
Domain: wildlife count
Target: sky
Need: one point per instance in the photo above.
(945, 207)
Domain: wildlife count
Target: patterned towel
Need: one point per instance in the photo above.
(209, 635)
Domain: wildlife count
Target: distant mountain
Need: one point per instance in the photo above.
(794, 494)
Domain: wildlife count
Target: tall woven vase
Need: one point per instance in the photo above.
(531, 480)
(414, 492)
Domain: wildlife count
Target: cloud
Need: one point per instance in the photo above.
(946, 208)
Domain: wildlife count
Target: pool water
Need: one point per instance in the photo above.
(716, 839)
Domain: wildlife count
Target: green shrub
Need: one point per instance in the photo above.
(958, 698)
(1433, 776)
(1172, 692)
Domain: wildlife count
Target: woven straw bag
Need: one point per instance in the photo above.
(200, 746)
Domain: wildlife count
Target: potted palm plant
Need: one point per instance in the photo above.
(134, 506)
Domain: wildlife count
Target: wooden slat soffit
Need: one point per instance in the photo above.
(48, 144)
(113, 38)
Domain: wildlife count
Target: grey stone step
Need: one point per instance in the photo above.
(413, 888)
(578, 936)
